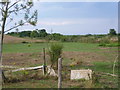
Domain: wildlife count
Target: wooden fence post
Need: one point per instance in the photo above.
(114, 65)
(44, 64)
(60, 73)
(0, 79)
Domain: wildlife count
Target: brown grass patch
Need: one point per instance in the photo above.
(12, 39)
(22, 59)
(28, 59)
(84, 57)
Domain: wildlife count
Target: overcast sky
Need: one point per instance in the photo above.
(77, 18)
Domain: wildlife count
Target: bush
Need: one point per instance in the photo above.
(102, 44)
(55, 52)
(109, 45)
(24, 42)
(29, 45)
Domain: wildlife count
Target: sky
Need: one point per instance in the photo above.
(75, 18)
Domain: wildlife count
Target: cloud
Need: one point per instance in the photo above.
(79, 26)
(53, 23)
(75, 26)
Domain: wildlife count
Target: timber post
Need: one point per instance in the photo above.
(59, 73)
(44, 63)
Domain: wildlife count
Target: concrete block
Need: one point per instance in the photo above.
(81, 74)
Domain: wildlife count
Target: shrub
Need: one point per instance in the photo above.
(109, 45)
(102, 44)
(29, 45)
(55, 52)
(24, 42)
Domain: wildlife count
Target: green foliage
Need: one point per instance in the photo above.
(89, 38)
(13, 34)
(55, 52)
(24, 33)
(34, 34)
(29, 45)
(42, 33)
(54, 36)
(112, 32)
(109, 45)
(102, 44)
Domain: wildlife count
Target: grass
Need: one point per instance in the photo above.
(105, 67)
(33, 84)
(98, 66)
(37, 47)
(83, 47)
(23, 48)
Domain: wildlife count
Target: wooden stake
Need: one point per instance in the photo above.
(44, 65)
(114, 65)
(59, 73)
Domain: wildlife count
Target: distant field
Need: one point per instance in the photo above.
(37, 47)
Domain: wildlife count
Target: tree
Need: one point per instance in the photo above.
(13, 34)
(9, 10)
(55, 36)
(42, 33)
(112, 32)
(17, 30)
(34, 34)
(25, 33)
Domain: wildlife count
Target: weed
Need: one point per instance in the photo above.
(29, 45)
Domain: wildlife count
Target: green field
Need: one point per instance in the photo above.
(76, 56)
(37, 47)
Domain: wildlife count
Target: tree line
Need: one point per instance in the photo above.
(42, 34)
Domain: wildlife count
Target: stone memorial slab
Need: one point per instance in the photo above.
(81, 74)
